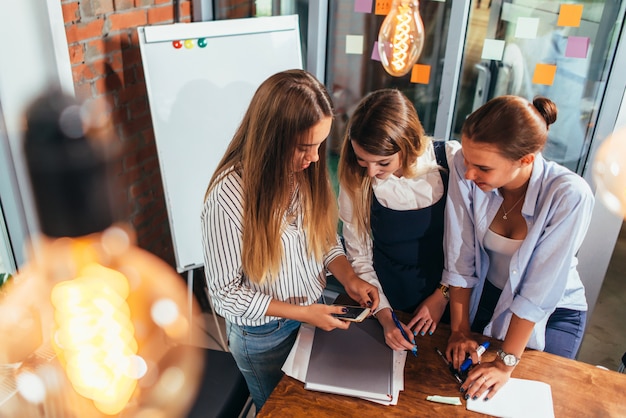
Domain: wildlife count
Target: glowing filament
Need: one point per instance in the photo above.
(401, 38)
(94, 336)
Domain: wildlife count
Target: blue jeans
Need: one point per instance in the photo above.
(260, 352)
(564, 332)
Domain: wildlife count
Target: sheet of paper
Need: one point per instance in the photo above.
(519, 398)
(298, 361)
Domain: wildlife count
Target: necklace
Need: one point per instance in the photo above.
(506, 212)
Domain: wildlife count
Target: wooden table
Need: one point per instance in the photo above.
(578, 389)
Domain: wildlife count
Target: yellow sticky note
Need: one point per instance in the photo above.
(544, 74)
(420, 74)
(492, 49)
(570, 15)
(354, 44)
(382, 7)
(526, 27)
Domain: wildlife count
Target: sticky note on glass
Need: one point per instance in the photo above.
(570, 15)
(375, 53)
(544, 74)
(382, 7)
(577, 47)
(507, 14)
(354, 44)
(526, 27)
(363, 6)
(492, 49)
(420, 74)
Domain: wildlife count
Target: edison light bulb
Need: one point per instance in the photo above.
(401, 37)
(609, 172)
(92, 326)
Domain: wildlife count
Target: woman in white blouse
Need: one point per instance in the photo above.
(269, 227)
(393, 183)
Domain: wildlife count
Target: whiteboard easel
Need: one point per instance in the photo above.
(200, 78)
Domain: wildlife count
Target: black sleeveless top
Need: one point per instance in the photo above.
(408, 246)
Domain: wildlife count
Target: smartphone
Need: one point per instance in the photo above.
(354, 314)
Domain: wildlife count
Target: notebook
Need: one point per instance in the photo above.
(353, 362)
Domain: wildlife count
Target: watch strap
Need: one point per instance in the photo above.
(445, 291)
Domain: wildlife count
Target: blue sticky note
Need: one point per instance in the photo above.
(354, 44)
(493, 49)
(526, 27)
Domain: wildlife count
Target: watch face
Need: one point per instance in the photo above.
(509, 360)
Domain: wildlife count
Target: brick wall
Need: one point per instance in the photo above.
(106, 63)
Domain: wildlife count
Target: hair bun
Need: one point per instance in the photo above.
(546, 108)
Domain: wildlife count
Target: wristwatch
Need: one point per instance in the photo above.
(444, 291)
(508, 359)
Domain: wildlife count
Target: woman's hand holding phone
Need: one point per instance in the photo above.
(353, 313)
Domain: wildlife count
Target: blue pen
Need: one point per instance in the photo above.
(468, 361)
(399, 325)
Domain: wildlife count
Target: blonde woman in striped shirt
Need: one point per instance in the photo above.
(269, 227)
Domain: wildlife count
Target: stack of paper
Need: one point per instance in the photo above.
(298, 362)
(354, 362)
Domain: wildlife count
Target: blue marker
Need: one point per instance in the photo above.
(399, 325)
(468, 361)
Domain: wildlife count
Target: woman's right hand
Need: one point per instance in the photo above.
(320, 316)
(459, 345)
(393, 336)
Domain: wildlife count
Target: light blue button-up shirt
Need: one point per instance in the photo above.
(542, 273)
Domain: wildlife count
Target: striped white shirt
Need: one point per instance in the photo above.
(301, 279)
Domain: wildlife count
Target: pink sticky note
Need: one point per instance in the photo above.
(577, 47)
(375, 53)
(363, 6)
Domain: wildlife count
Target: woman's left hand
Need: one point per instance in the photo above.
(362, 292)
(489, 376)
(428, 314)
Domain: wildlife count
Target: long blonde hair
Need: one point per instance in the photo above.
(281, 114)
(384, 123)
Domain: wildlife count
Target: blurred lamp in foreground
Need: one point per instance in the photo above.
(92, 326)
(609, 172)
(401, 37)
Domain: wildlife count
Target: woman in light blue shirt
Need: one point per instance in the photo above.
(514, 222)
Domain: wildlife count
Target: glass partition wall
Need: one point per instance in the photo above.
(473, 51)
(524, 47)
(561, 50)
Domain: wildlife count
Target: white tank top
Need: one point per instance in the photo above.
(500, 250)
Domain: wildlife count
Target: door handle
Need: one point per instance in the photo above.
(483, 81)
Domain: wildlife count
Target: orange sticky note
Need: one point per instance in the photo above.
(420, 74)
(544, 74)
(382, 7)
(570, 15)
